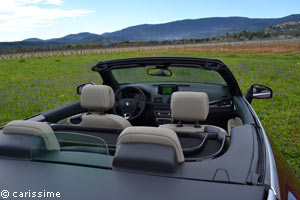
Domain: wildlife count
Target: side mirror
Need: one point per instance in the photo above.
(257, 91)
(79, 88)
(159, 72)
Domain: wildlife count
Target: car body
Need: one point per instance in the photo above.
(100, 161)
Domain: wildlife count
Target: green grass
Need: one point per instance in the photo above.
(30, 86)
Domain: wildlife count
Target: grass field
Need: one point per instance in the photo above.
(32, 85)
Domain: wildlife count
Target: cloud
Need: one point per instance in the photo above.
(25, 15)
(54, 2)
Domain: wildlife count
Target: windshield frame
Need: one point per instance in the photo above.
(104, 68)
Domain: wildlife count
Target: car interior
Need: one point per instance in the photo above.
(176, 129)
(192, 108)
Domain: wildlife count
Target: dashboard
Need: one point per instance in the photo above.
(158, 96)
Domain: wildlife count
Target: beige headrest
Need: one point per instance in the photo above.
(40, 129)
(97, 97)
(152, 135)
(189, 106)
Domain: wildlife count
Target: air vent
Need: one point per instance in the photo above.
(158, 100)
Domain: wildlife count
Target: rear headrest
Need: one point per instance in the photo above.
(40, 129)
(189, 106)
(97, 97)
(152, 135)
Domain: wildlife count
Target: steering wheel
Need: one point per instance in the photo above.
(129, 107)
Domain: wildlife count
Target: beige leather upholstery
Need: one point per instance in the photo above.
(97, 97)
(233, 123)
(188, 128)
(40, 129)
(189, 106)
(152, 135)
(104, 121)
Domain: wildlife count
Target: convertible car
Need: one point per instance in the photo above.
(156, 128)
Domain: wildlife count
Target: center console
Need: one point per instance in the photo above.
(161, 103)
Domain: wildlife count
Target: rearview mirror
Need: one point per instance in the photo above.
(79, 88)
(257, 91)
(159, 72)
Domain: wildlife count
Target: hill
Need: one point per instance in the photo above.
(177, 30)
(197, 28)
(285, 30)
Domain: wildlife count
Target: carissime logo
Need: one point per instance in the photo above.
(5, 194)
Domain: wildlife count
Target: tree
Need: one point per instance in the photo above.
(69, 45)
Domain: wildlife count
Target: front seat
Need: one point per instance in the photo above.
(97, 99)
(192, 107)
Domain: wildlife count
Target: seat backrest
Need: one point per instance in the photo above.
(152, 135)
(189, 107)
(40, 129)
(148, 148)
(97, 99)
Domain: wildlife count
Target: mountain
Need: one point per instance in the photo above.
(197, 28)
(183, 29)
(33, 40)
(84, 37)
(189, 28)
(79, 38)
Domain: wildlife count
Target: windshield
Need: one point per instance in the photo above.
(75, 148)
(179, 74)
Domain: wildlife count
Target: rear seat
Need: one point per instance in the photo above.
(148, 148)
(31, 128)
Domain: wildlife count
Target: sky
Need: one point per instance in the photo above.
(45, 19)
